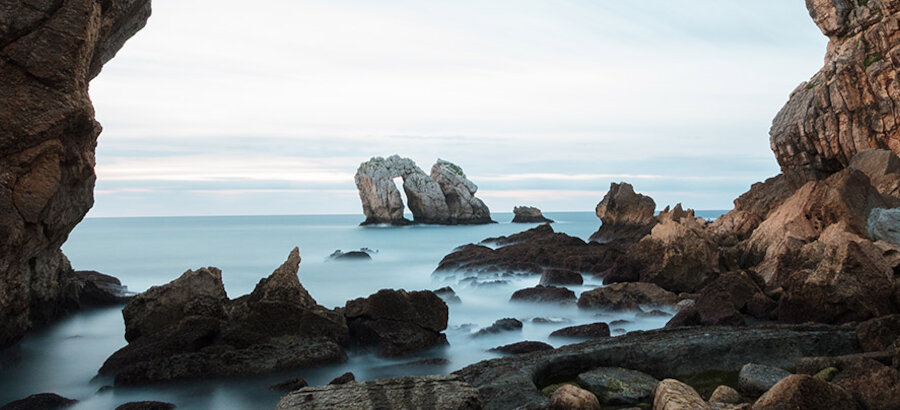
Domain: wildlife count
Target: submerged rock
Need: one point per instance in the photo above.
(360, 255)
(146, 405)
(422, 392)
(561, 277)
(626, 215)
(589, 331)
(397, 322)
(528, 214)
(448, 295)
(47, 401)
(290, 385)
(189, 328)
(500, 325)
(522, 347)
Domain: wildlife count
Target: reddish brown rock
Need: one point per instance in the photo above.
(50, 52)
(876, 335)
(873, 384)
(569, 397)
(672, 394)
(626, 215)
(726, 301)
(805, 392)
(750, 209)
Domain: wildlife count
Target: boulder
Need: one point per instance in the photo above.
(672, 394)
(750, 209)
(422, 392)
(561, 277)
(805, 392)
(615, 385)
(345, 378)
(529, 214)
(50, 52)
(500, 325)
(146, 405)
(873, 384)
(569, 397)
(459, 194)
(522, 347)
(541, 293)
(879, 334)
(190, 329)
(842, 109)
(627, 216)
(726, 301)
(884, 225)
(756, 379)
(46, 401)
(725, 395)
(626, 296)
(588, 331)
(397, 322)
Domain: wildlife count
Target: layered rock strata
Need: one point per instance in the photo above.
(49, 52)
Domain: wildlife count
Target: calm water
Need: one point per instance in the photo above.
(143, 252)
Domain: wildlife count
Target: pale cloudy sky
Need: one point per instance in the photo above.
(224, 107)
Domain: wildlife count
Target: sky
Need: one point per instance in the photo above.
(222, 107)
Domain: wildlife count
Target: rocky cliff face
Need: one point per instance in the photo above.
(851, 104)
(49, 51)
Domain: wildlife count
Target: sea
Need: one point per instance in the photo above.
(64, 357)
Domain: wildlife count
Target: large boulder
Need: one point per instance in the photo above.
(627, 216)
(188, 328)
(569, 397)
(626, 296)
(397, 322)
(51, 50)
(423, 392)
(672, 394)
(459, 194)
(615, 385)
(846, 107)
(805, 392)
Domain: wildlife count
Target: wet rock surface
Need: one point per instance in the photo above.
(424, 392)
(360, 255)
(51, 51)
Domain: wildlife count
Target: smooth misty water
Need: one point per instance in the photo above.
(142, 252)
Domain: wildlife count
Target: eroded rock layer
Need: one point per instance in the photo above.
(49, 51)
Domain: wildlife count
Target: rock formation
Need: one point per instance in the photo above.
(50, 51)
(445, 197)
(397, 322)
(849, 105)
(529, 214)
(625, 215)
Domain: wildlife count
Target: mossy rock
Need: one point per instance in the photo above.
(550, 389)
(614, 385)
(827, 374)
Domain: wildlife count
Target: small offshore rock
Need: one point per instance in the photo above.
(448, 295)
(146, 405)
(541, 293)
(726, 395)
(290, 385)
(799, 391)
(40, 401)
(569, 397)
(614, 385)
(343, 379)
(501, 325)
(672, 394)
(522, 347)
(756, 379)
(529, 214)
(360, 255)
(589, 331)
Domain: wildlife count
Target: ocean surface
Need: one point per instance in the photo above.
(143, 252)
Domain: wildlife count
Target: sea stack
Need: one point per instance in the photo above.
(446, 197)
(529, 214)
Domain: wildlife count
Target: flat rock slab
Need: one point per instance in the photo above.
(615, 385)
(514, 381)
(424, 392)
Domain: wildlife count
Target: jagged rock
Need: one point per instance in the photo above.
(589, 331)
(146, 405)
(626, 296)
(873, 384)
(725, 301)
(569, 397)
(529, 214)
(805, 392)
(397, 322)
(725, 395)
(46, 401)
(529, 252)
(756, 379)
(750, 209)
(845, 107)
(423, 392)
(615, 385)
(50, 52)
(672, 394)
(345, 378)
(500, 325)
(459, 193)
(561, 277)
(514, 381)
(87, 288)
(190, 329)
(522, 347)
(879, 334)
(884, 225)
(381, 201)
(626, 216)
(541, 293)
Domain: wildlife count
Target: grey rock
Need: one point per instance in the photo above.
(423, 392)
(381, 201)
(345, 378)
(884, 225)
(756, 379)
(615, 385)
(459, 194)
(522, 347)
(146, 405)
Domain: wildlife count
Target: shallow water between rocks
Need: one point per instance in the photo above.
(143, 252)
